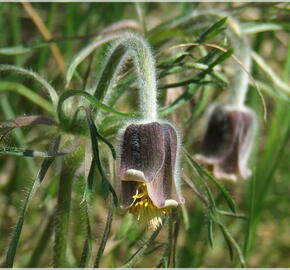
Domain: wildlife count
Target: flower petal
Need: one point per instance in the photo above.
(129, 189)
(220, 135)
(228, 142)
(142, 150)
(163, 187)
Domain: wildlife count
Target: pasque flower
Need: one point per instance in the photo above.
(231, 127)
(228, 141)
(149, 146)
(148, 171)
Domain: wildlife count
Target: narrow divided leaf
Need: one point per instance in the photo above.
(232, 243)
(212, 31)
(204, 172)
(106, 185)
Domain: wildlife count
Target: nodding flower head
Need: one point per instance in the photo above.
(228, 141)
(149, 171)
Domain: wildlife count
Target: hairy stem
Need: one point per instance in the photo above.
(62, 216)
(134, 47)
(41, 244)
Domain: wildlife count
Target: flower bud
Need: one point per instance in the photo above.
(228, 141)
(149, 171)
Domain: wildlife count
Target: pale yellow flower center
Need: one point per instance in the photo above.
(147, 213)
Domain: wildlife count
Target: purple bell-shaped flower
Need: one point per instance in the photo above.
(228, 141)
(148, 171)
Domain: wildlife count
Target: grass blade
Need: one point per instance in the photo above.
(28, 152)
(251, 211)
(44, 84)
(27, 93)
(15, 50)
(97, 42)
(16, 235)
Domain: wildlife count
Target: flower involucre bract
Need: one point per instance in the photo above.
(228, 140)
(148, 171)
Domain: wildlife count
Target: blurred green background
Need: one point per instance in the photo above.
(263, 237)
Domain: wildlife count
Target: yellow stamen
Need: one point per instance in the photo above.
(146, 211)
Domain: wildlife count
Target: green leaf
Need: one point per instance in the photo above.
(111, 124)
(28, 152)
(210, 231)
(104, 140)
(212, 31)
(27, 93)
(106, 185)
(198, 172)
(30, 74)
(228, 241)
(125, 227)
(36, 184)
(173, 59)
(256, 27)
(222, 58)
(283, 86)
(90, 180)
(137, 255)
(85, 52)
(251, 211)
(15, 50)
(161, 36)
(91, 99)
(226, 195)
(186, 96)
(231, 242)
(91, 175)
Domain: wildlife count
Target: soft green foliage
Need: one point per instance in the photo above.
(59, 201)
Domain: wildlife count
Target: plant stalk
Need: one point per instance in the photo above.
(62, 216)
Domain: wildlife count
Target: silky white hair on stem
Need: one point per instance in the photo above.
(134, 47)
